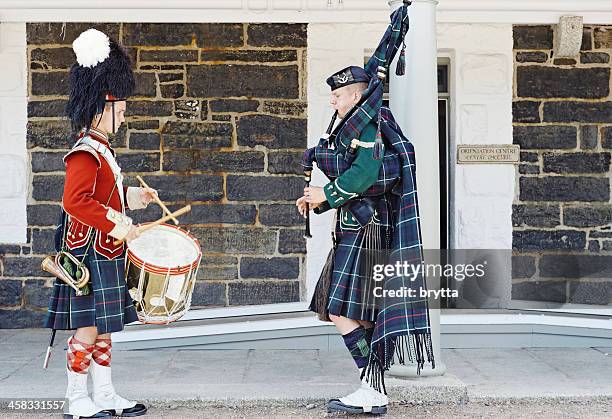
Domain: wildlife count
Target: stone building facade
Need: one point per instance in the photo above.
(218, 120)
(562, 215)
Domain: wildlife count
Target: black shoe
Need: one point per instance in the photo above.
(138, 410)
(335, 405)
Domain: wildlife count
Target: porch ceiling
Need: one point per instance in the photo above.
(484, 11)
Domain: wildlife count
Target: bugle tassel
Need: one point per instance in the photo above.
(49, 265)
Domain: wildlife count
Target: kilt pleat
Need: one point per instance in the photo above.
(346, 295)
(108, 307)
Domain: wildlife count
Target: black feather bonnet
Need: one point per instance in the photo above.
(102, 73)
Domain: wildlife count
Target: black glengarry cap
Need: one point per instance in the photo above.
(346, 76)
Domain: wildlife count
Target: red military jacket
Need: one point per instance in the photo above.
(87, 189)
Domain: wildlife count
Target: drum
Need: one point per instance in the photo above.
(161, 269)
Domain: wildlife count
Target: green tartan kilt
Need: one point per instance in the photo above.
(346, 295)
(108, 307)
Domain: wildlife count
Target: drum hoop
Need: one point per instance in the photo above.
(160, 270)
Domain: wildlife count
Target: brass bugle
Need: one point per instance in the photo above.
(49, 265)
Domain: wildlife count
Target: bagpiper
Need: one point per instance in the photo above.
(93, 228)
(371, 169)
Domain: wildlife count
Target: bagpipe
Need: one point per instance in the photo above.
(333, 162)
(337, 148)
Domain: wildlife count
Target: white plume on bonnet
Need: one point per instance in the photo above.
(91, 47)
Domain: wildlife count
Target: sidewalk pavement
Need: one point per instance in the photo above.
(192, 376)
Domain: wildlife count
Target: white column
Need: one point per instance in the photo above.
(414, 102)
(14, 176)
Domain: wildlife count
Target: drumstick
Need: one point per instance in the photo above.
(156, 199)
(162, 220)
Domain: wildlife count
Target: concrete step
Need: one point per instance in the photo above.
(302, 330)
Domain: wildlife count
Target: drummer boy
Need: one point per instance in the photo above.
(95, 201)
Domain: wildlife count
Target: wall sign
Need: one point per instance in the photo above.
(488, 153)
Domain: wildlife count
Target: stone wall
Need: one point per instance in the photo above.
(218, 121)
(562, 217)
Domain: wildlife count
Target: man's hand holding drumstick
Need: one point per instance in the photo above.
(139, 229)
(146, 195)
(149, 195)
(155, 198)
(133, 234)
